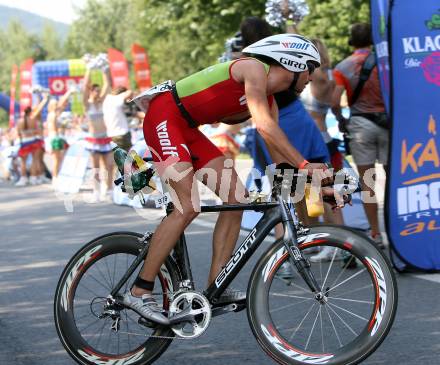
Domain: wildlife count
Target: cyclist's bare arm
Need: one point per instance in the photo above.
(62, 103)
(266, 121)
(105, 85)
(86, 87)
(39, 108)
(255, 80)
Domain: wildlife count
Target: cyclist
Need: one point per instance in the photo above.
(229, 92)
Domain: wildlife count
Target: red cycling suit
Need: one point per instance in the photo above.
(209, 96)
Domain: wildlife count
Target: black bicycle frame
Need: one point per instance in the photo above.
(274, 213)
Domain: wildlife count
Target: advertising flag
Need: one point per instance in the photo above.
(12, 98)
(141, 67)
(118, 68)
(26, 84)
(379, 26)
(413, 190)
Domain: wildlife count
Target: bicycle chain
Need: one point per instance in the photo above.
(152, 336)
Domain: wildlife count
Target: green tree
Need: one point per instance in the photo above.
(51, 44)
(330, 21)
(15, 46)
(184, 36)
(102, 25)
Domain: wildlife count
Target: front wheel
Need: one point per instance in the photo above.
(342, 326)
(90, 330)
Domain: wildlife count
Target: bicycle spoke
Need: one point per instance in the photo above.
(77, 319)
(320, 272)
(108, 272)
(346, 280)
(114, 271)
(97, 266)
(299, 326)
(118, 344)
(289, 305)
(329, 267)
(349, 312)
(313, 327)
(100, 332)
(334, 328)
(96, 320)
(341, 273)
(126, 269)
(299, 287)
(289, 296)
(337, 315)
(90, 290)
(322, 329)
(87, 303)
(126, 324)
(109, 341)
(354, 290)
(103, 285)
(353, 300)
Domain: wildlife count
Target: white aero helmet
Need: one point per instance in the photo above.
(293, 51)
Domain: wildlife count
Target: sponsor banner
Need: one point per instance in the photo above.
(59, 85)
(26, 84)
(12, 99)
(379, 26)
(118, 68)
(141, 67)
(413, 190)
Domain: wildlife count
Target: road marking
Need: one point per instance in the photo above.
(35, 265)
(430, 277)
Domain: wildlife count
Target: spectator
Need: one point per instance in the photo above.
(57, 139)
(114, 117)
(98, 143)
(316, 98)
(369, 141)
(31, 143)
(224, 138)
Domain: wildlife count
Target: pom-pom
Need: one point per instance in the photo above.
(279, 11)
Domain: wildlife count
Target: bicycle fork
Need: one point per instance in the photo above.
(301, 263)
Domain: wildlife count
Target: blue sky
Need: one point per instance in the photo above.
(59, 10)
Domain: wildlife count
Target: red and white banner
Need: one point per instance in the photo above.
(26, 84)
(141, 67)
(12, 99)
(59, 85)
(118, 68)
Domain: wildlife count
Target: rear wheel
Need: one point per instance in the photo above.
(343, 326)
(81, 300)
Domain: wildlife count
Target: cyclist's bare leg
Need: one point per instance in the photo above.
(228, 224)
(170, 229)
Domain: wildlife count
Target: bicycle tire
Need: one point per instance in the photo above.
(263, 315)
(83, 262)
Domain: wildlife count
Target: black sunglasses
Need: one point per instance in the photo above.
(311, 67)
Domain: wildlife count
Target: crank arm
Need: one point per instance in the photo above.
(218, 311)
(186, 315)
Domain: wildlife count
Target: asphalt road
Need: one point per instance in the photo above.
(38, 236)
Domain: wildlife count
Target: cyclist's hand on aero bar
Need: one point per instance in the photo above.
(334, 198)
(321, 172)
